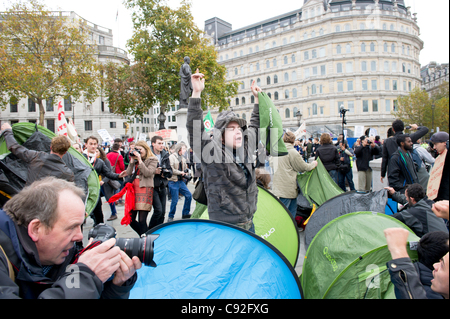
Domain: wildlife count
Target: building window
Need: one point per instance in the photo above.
(285, 60)
(372, 47)
(275, 79)
(349, 86)
(267, 64)
(364, 85)
(88, 125)
(274, 62)
(13, 105)
(286, 94)
(338, 49)
(365, 106)
(394, 85)
(31, 105)
(323, 70)
(293, 58)
(386, 66)
(294, 76)
(375, 106)
(374, 85)
(101, 40)
(268, 80)
(51, 125)
(348, 48)
(364, 66)
(387, 85)
(275, 96)
(112, 124)
(314, 54)
(68, 104)
(286, 77)
(340, 86)
(388, 105)
(294, 92)
(393, 48)
(314, 88)
(306, 55)
(49, 105)
(314, 109)
(339, 68)
(287, 113)
(349, 67)
(351, 106)
(373, 66)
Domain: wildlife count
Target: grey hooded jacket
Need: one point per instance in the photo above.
(228, 175)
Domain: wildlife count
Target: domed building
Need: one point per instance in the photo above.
(357, 55)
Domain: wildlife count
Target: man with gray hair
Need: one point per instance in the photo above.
(38, 231)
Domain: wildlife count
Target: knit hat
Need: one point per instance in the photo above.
(440, 137)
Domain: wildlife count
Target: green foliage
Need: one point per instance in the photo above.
(45, 56)
(417, 108)
(162, 38)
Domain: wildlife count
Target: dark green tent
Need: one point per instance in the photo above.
(347, 258)
(13, 175)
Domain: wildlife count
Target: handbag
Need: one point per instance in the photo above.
(199, 194)
(113, 183)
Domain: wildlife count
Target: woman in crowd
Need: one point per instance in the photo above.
(105, 189)
(329, 155)
(142, 162)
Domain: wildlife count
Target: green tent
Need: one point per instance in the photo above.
(347, 258)
(85, 176)
(317, 185)
(274, 223)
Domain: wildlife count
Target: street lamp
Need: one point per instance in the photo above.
(299, 117)
(161, 119)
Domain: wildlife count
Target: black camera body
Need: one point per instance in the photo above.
(187, 178)
(137, 151)
(140, 247)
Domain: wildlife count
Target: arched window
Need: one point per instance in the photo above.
(268, 80)
(293, 58)
(338, 49)
(363, 47)
(258, 82)
(286, 77)
(237, 101)
(267, 64)
(251, 67)
(243, 101)
(275, 96)
(313, 89)
(372, 47)
(286, 94)
(294, 112)
(385, 47)
(285, 60)
(287, 113)
(269, 95)
(393, 47)
(275, 79)
(314, 109)
(236, 72)
(294, 92)
(252, 99)
(348, 48)
(274, 62)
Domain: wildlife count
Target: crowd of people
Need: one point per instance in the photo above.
(40, 226)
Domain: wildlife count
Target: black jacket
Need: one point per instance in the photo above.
(30, 281)
(161, 180)
(390, 146)
(40, 164)
(102, 169)
(329, 156)
(364, 154)
(401, 171)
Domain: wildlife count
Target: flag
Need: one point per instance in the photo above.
(301, 131)
(61, 123)
(208, 122)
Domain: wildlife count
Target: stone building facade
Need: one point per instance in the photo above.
(328, 55)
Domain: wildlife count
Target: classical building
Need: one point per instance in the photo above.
(88, 117)
(329, 55)
(433, 76)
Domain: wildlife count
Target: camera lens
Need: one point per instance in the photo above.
(140, 247)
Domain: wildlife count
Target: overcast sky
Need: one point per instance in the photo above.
(432, 16)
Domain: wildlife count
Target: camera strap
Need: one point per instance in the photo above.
(89, 247)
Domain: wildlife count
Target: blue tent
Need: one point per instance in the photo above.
(203, 259)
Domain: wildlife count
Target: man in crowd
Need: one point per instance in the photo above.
(162, 173)
(176, 184)
(402, 170)
(390, 144)
(403, 273)
(227, 159)
(418, 216)
(364, 154)
(38, 231)
(41, 164)
(345, 171)
(441, 169)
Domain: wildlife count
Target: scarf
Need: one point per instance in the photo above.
(411, 173)
(129, 202)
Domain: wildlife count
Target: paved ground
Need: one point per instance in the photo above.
(128, 232)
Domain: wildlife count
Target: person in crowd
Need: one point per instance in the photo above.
(38, 231)
(432, 247)
(345, 171)
(440, 144)
(402, 170)
(285, 175)
(309, 149)
(228, 170)
(316, 145)
(176, 183)
(106, 190)
(78, 147)
(143, 164)
(41, 164)
(160, 181)
(390, 145)
(425, 158)
(440, 209)
(118, 166)
(403, 274)
(418, 216)
(329, 155)
(102, 170)
(127, 158)
(262, 178)
(364, 154)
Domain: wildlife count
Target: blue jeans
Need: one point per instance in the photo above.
(291, 204)
(175, 188)
(349, 177)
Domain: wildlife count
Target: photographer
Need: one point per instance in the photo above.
(143, 163)
(38, 230)
(162, 173)
(364, 154)
(176, 183)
